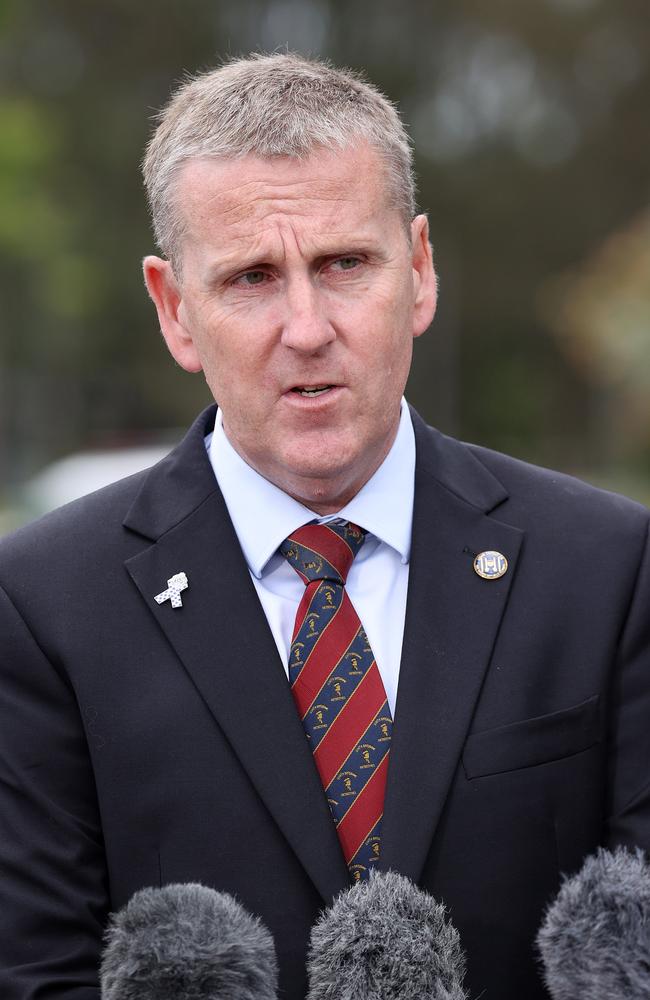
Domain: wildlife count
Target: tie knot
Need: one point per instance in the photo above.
(323, 551)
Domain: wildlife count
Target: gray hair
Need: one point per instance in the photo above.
(270, 105)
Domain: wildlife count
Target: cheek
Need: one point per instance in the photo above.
(386, 308)
(224, 344)
(392, 360)
(388, 345)
(239, 372)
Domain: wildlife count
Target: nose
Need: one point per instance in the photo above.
(306, 327)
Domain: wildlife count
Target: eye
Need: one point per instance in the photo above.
(346, 263)
(252, 277)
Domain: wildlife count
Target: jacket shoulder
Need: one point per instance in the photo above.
(514, 490)
(521, 476)
(562, 503)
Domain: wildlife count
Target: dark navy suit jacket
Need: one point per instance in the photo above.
(142, 744)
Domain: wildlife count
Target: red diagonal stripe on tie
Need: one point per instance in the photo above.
(362, 816)
(309, 599)
(349, 726)
(328, 544)
(326, 655)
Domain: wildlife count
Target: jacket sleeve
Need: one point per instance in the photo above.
(628, 820)
(53, 881)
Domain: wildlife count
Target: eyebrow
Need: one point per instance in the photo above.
(235, 263)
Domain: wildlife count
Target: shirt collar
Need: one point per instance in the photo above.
(263, 515)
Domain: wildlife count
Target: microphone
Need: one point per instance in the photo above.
(595, 939)
(187, 942)
(385, 939)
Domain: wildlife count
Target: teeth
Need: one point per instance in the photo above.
(312, 392)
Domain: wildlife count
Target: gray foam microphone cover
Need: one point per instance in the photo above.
(595, 939)
(385, 939)
(187, 942)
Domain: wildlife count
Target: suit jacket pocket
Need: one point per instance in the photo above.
(533, 741)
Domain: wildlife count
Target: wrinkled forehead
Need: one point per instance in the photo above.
(329, 189)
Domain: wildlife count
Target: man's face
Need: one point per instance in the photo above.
(299, 298)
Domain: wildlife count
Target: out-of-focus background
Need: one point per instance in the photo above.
(531, 122)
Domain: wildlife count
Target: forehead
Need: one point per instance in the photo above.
(327, 191)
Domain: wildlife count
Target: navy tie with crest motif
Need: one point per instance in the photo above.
(338, 690)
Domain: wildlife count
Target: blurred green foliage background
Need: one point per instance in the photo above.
(531, 123)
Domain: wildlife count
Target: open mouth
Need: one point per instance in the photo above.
(311, 390)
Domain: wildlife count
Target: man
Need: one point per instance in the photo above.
(151, 677)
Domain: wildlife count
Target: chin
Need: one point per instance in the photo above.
(322, 464)
(325, 484)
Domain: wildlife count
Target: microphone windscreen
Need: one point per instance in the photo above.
(595, 939)
(187, 942)
(385, 939)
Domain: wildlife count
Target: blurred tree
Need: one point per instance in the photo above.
(600, 312)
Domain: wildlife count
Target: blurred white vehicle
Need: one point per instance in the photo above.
(76, 475)
(86, 471)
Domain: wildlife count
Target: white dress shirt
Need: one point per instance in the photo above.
(263, 516)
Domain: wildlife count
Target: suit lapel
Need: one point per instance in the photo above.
(451, 625)
(223, 640)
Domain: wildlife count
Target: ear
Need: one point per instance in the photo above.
(425, 282)
(166, 294)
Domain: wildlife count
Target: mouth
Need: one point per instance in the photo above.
(311, 390)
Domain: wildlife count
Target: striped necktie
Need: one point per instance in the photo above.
(338, 690)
